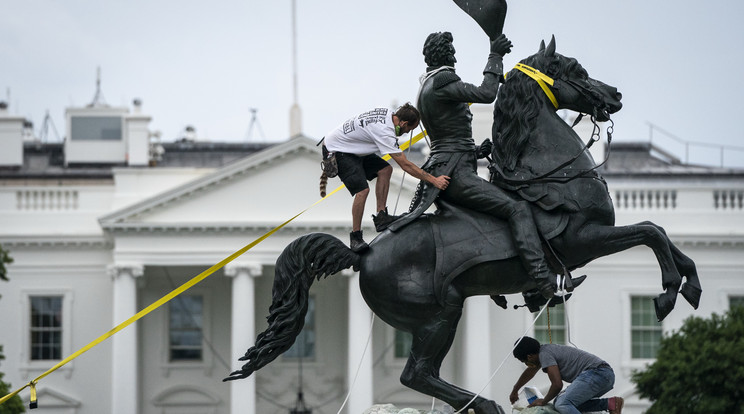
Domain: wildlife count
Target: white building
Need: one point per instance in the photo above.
(101, 227)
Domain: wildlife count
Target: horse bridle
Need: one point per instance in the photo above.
(590, 94)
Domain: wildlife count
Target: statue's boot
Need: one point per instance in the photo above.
(527, 240)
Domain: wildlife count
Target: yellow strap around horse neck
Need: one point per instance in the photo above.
(541, 78)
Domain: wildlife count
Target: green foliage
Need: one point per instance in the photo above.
(699, 369)
(4, 258)
(13, 405)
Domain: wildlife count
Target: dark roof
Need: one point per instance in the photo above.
(206, 154)
(644, 159)
(46, 160)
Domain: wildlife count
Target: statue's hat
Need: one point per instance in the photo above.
(489, 14)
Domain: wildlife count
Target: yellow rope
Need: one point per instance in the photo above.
(203, 275)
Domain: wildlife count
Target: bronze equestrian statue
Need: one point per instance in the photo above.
(408, 284)
(417, 278)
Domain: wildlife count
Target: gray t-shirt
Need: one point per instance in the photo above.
(570, 361)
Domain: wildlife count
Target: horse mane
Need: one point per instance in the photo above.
(517, 106)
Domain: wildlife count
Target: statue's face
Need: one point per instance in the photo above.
(450, 59)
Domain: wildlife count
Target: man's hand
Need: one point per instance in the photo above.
(538, 402)
(484, 149)
(501, 45)
(513, 397)
(441, 182)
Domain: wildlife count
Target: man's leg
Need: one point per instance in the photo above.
(352, 174)
(382, 187)
(469, 190)
(581, 395)
(357, 209)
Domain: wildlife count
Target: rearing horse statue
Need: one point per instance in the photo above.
(409, 282)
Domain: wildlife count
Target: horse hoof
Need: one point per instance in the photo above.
(487, 407)
(663, 304)
(691, 294)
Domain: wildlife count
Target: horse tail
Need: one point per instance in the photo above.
(323, 184)
(309, 257)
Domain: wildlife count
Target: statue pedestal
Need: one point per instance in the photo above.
(391, 409)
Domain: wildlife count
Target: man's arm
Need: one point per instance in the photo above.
(440, 182)
(526, 376)
(492, 75)
(556, 385)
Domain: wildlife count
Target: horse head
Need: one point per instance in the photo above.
(546, 81)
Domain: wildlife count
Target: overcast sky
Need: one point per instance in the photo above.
(678, 63)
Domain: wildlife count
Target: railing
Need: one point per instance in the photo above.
(728, 199)
(727, 155)
(47, 200)
(645, 199)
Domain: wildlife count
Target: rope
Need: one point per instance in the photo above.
(359, 367)
(400, 188)
(502, 362)
(32, 384)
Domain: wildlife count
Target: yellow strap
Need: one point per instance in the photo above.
(32, 402)
(541, 79)
(203, 275)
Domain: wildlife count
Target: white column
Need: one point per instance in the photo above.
(476, 356)
(124, 385)
(360, 315)
(243, 332)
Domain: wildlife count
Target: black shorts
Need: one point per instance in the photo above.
(354, 170)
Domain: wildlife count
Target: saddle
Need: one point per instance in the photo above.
(464, 238)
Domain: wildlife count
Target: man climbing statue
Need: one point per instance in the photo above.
(443, 101)
(356, 143)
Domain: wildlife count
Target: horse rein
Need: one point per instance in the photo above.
(543, 80)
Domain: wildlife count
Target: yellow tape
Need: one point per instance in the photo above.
(541, 79)
(32, 401)
(203, 275)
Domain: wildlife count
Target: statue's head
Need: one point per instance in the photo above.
(438, 50)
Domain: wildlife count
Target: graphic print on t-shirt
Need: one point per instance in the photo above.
(377, 115)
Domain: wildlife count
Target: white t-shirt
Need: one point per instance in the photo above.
(367, 133)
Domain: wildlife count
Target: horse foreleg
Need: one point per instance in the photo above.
(431, 342)
(691, 289)
(594, 240)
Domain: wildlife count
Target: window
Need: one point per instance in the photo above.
(304, 345)
(736, 301)
(645, 330)
(403, 341)
(551, 325)
(96, 128)
(46, 327)
(186, 315)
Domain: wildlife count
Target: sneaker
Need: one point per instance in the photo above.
(357, 244)
(615, 405)
(382, 220)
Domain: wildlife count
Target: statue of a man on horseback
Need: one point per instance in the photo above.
(483, 241)
(444, 105)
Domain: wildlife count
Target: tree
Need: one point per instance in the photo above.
(699, 369)
(4, 258)
(13, 405)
